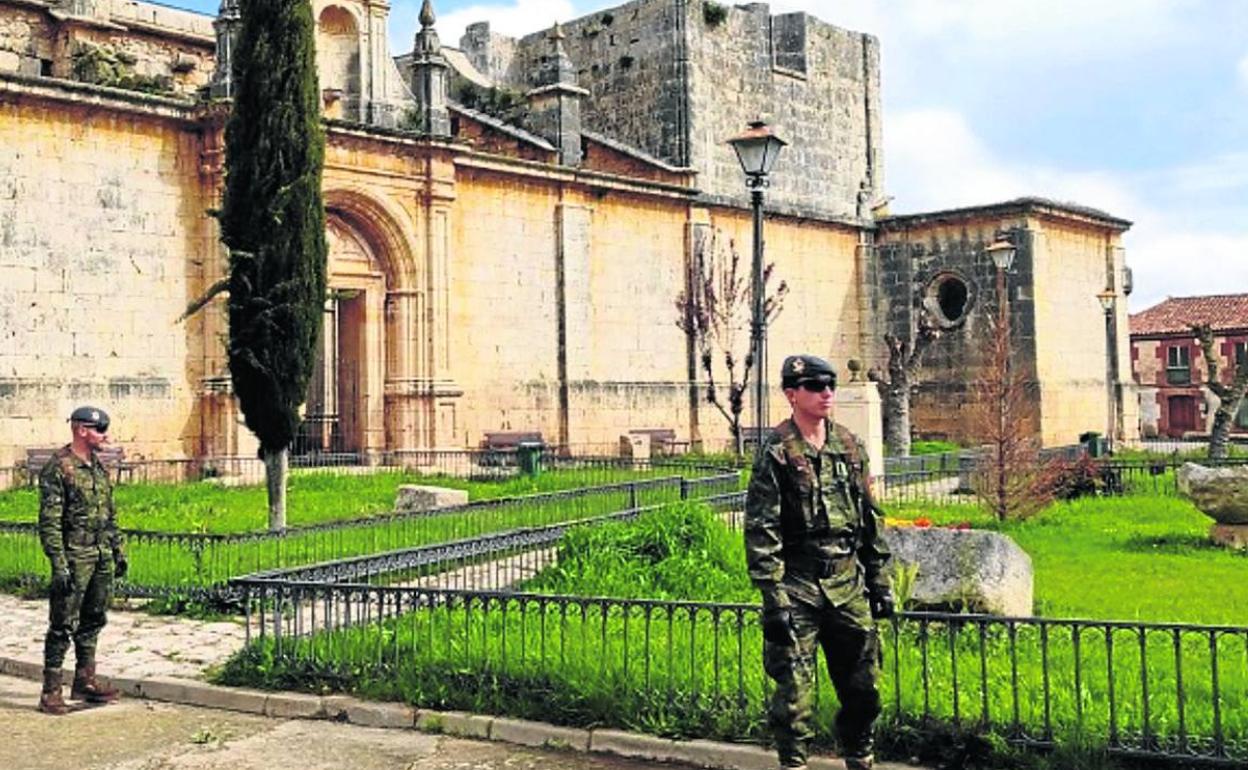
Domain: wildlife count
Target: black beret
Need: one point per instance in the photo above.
(90, 415)
(804, 367)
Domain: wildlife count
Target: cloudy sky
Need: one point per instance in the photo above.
(1137, 107)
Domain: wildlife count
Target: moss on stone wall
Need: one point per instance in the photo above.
(102, 65)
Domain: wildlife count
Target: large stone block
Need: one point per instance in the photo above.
(1220, 493)
(413, 497)
(965, 569)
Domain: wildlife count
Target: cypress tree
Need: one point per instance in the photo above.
(273, 224)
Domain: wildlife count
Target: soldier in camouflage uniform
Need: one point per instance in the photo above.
(78, 531)
(813, 546)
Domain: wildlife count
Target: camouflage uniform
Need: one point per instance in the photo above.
(813, 546)
(78, 530)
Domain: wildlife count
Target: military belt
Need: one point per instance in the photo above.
(823, 568)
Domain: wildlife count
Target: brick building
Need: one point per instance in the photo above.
(1169, 366)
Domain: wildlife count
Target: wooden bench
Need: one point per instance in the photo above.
(112, 457)
(498, 447)
(509, 440)
(662, 440)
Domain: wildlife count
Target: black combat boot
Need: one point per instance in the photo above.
(87, 687)
(50, 700)
(864, 762)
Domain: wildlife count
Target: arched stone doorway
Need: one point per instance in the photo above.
(373, 391)
(341, 414)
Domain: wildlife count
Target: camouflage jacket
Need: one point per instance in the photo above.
(77, 519)
(812, 527)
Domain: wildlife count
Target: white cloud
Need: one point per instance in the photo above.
(516, 18)
(1008, 29)
(935, 160)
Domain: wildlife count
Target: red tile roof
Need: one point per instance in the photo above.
(1223, 312)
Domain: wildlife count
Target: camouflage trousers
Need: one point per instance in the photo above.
(80, 613)
(851, 648)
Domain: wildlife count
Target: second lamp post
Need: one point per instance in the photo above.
(757, 150)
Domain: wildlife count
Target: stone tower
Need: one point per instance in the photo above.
(677, 81)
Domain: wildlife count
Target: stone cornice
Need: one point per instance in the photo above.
(788, 212)
(105, 97)
(567, 175)
(1069, 212)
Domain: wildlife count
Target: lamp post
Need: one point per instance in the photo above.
(757, 150)
(1002, 252)
(1108, 300)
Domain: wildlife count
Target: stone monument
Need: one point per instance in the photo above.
(1222, 495)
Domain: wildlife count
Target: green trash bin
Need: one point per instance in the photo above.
(529, 457)
(1095, 443)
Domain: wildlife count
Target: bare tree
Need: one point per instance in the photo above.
(905, 359)
(1009, 479)
(714, 311)
(1229, 396)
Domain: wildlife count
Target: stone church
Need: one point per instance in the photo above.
(510, 222)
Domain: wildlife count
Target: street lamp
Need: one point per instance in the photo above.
(1109, 300)
(1002, 252)
(757, 150)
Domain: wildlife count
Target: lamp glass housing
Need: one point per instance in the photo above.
(1002, 253)
(757, 149)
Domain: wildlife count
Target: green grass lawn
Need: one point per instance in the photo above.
(312, 498)
(683, 670)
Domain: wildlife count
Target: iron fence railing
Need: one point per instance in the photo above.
(1156, 690)
(200, 565)
(470, 464)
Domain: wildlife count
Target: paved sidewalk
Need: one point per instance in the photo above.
(145, 735)
(133, 644)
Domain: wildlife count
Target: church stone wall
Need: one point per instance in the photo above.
(914, 255)
(1071, 355)
(101, 222)
(503, 348)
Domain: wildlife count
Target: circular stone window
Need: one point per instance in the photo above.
(948, 298)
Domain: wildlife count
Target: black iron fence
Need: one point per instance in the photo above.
(469, 464)
(1156, 690)
(200, 565)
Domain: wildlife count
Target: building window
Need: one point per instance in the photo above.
(1241, 353)
(1178, 366)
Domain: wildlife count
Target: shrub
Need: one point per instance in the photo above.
(1071, 479)
(713, 13)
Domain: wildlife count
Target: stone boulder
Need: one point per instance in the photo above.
(972, 570)
(1220, 493)
(413, 497)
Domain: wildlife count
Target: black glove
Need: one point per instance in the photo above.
(120, 566)
(62, 582)
(778, 626)
(883, 605)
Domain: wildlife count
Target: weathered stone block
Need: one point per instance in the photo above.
(1219, 493)
(1230, 535)
(413, 497)
(965, 569)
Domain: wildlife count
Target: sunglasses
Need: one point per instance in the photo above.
(817, 386)
(96, 428)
